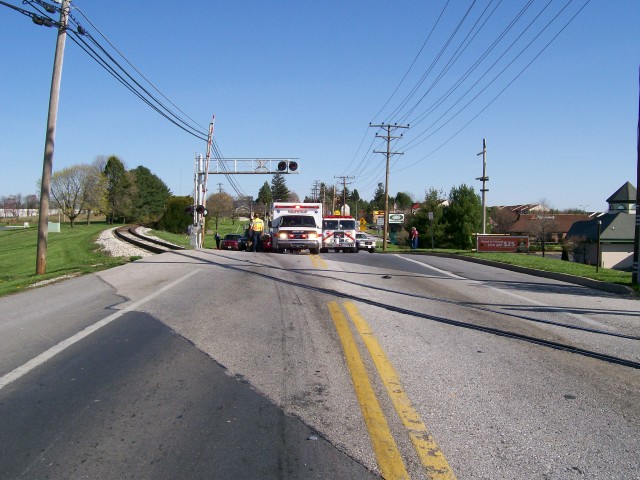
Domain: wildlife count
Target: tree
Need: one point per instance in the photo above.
(118, 189)
(502, 219)
(378, 202)
(175, 219)
(264, 195)
(70, 190)
(542, 225)
(219, 205)
(403, 201)
(95, 189)
(279, 190)
(433, 203)
(463, 216)
(151, 195)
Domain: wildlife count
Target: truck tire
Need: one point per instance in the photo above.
(314, 251)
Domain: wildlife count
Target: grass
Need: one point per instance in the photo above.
(535, 262)
(71, 252)
(74, 252)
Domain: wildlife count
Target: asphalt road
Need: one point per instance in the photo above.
(241, 365)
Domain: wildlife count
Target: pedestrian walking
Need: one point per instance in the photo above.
(217, 237)
(257, 226)
(414, 238)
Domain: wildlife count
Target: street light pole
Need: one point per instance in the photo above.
(47, 166)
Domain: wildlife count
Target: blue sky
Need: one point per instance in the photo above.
(304, 79)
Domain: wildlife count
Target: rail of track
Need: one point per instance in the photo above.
(129, 235)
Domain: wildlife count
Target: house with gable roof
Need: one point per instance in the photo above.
(617, 233)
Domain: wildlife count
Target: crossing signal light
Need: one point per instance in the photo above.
(287, 166)
(189, 210)
(201, 210)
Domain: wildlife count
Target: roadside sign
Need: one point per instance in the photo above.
(380, 221)
(396, 218)
(502, 243)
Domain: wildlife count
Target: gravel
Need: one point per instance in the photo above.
(117, 248)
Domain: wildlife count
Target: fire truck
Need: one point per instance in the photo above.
(296, 226)
(339, 234)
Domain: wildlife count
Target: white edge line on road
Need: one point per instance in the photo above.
(577, 316)
(53, 351)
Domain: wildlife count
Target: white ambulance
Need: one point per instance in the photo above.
(296, 226)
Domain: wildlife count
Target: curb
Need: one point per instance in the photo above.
(563, 277)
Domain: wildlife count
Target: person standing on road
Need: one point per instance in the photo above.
(217, 237)
(414, 238)
(257, 226)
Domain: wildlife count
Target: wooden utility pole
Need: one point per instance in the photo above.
(47, 166)
(484, 180)
(636, 241)
(388, 137)
(344, 191)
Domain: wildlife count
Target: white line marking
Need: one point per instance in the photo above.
(53, 351)
(577, 316)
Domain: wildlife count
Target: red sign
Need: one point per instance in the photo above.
(502, 243)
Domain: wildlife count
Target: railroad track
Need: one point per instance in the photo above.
(129, 234)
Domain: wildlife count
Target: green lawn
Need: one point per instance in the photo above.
(73, 251)
(533, 261)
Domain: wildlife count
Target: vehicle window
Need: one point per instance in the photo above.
(330, 225)
(348, 225)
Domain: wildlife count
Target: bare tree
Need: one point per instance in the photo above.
(69, 190)
(219, 205)
(543, 224)
(502, 219)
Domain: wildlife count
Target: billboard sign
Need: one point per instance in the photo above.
(396, 218)
(502, 243)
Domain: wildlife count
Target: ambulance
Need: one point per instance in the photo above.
(339, 234)
(296, 226)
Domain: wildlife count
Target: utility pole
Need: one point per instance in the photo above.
(47, 165)
(636, 241)
(388, 137)
(344, 191)
(484, 190)
(333, 204)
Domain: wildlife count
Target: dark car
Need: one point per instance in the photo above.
(230, 241)
(363, 242)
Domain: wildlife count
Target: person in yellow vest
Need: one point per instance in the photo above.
(257, 226)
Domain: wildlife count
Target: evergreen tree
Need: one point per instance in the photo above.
(433, 202)
(378, 198)
(264, 195)
(279, 190)
(151, 195)
(463, 216)
(403, 201)
(118, 189)
(175, 219)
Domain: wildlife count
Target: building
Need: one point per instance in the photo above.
(534, 220)
(613, 232)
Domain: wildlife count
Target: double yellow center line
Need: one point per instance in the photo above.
(387, 454)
